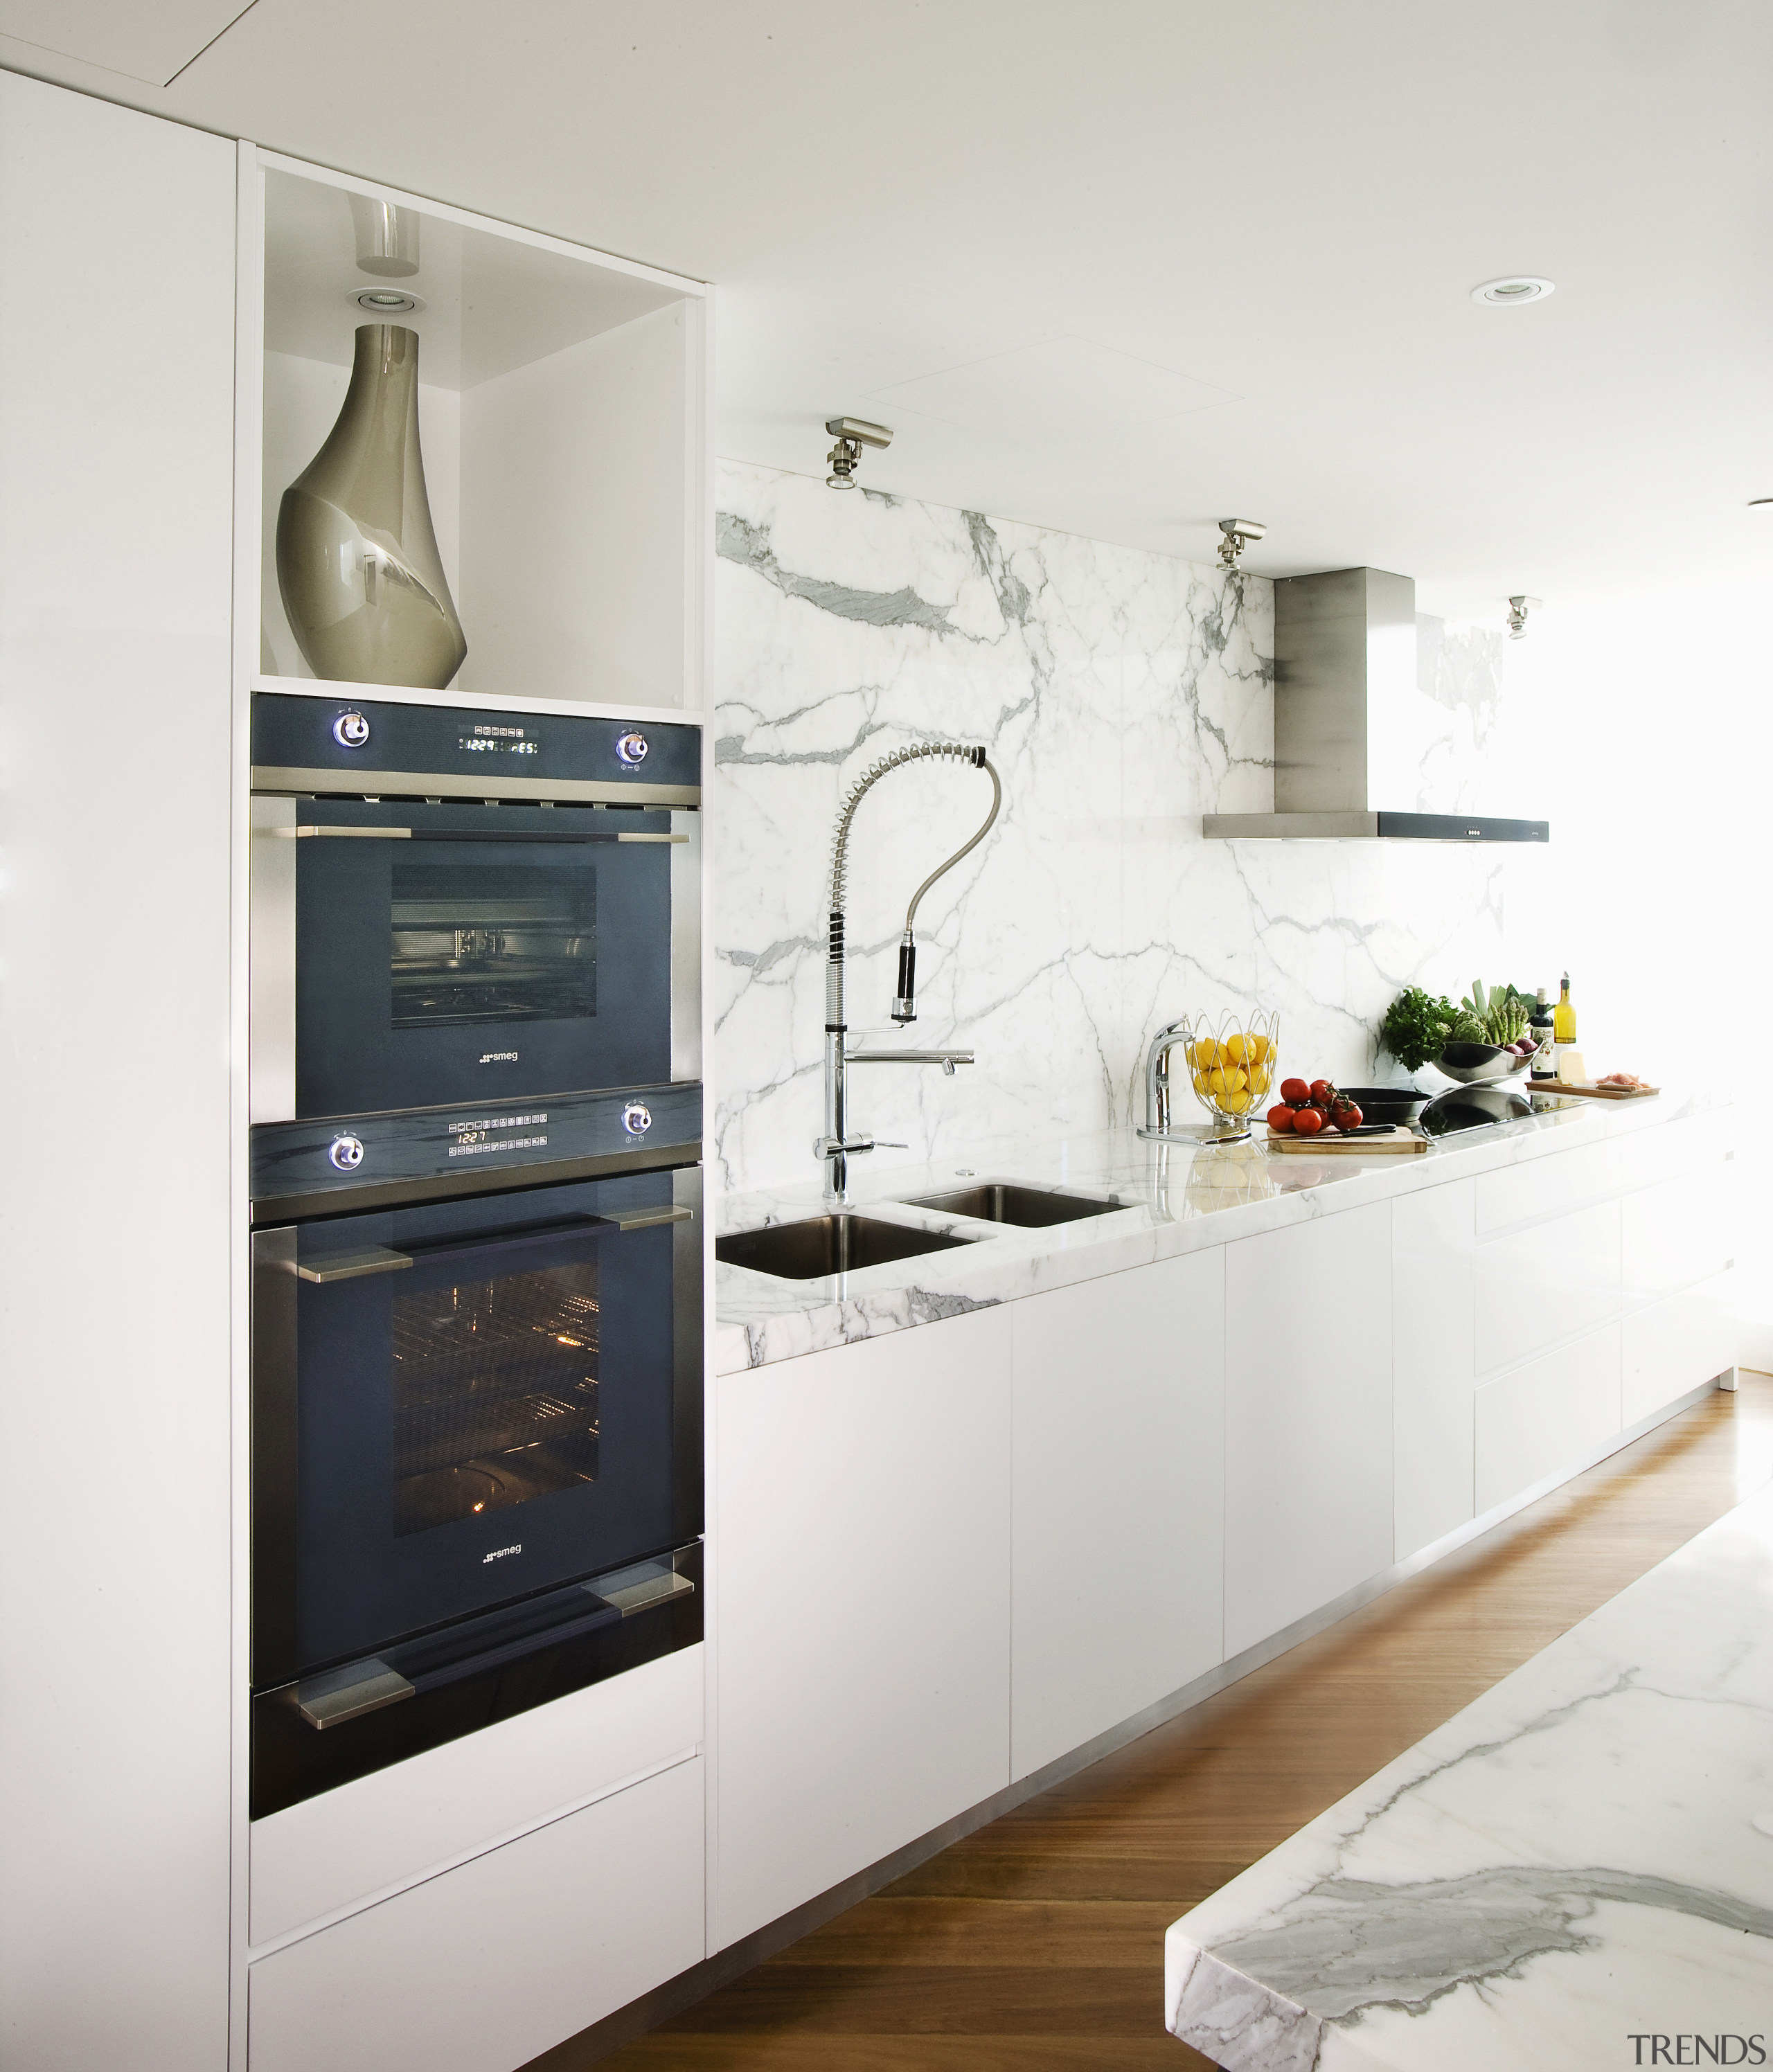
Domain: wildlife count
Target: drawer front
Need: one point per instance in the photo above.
(1674, 1345)
(1546, 1416)
(1696, 1141)
(1434, 1363)
(482, 1967)
(1677, 1232)
(1546, 1283)
(1547, 1186)
(386, 1829)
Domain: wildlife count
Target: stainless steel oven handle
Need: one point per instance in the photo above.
(646, 1218)
(466, 834)
(339, 1695)
(349, 1265)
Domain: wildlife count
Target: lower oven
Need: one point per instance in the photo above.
(476, 1463)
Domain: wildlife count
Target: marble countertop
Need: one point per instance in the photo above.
(1583, 1856)
(1173, 1198)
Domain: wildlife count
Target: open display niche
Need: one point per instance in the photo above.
(562, 415)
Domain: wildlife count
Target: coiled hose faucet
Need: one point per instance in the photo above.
(836, 1144)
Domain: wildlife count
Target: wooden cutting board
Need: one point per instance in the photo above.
(1326, 1142)
(1595, 1092)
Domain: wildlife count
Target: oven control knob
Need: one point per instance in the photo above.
(351, 729)
(637, 1118)
(631, 749)
(347, 1152)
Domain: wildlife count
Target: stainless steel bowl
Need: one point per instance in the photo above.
(1475, 1062)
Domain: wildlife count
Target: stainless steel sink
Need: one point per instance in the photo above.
(827, 1244)
(1003, 1202)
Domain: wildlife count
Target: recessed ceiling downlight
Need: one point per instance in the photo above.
(386, 302)
(1515, 288)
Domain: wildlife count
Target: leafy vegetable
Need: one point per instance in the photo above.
(1497, 1016)
(1417, 1027)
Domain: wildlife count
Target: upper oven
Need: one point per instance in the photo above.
(451, 906)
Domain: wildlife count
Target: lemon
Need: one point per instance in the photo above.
(1206, 1051)
(1200, 1084)
(1227, 1079)
(1261, 1079)
(1259, 1047)
(1234, 1103)
(1237, 1048)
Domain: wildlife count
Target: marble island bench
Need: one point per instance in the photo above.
(1582, 1859)
(978, 1516)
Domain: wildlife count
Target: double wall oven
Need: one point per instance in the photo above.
(477, 1246)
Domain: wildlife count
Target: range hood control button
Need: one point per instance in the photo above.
(351, 729)
(637, 1118)
(347, 1152)
(631, 749)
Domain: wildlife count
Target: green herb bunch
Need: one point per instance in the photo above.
(1417, 1027)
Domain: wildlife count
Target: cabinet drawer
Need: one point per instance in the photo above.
(1547, 1186)
(1677, 1232)
(387, 1828)
(1546, 1283)
(862, 1513)
(482, 1967)
(1675, 1344)
(1666, 1152)
(1546, 1416)
(1118, 1521)
(1308, 1419)
(1434, 1363)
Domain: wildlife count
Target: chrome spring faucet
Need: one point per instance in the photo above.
(836, 1145)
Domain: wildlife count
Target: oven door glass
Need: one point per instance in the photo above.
(447, 954)
(489, 1399)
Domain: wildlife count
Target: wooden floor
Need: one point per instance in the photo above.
(1037, 1942)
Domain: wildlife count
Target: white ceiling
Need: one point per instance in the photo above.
(1129, 267)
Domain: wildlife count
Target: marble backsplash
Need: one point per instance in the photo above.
(1120, 694)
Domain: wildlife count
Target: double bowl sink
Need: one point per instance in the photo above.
(845, 1242)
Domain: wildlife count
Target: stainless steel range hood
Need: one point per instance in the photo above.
(1349, 722)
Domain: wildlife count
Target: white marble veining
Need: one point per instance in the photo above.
(1582, 1857)
(1121, 695)
(1175, 1199)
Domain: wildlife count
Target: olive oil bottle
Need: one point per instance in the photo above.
(1564, 1016)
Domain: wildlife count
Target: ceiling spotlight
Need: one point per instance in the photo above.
(1518, 609)
(386, 302)
(852, 434)
(1239, 533)
(1515, 288)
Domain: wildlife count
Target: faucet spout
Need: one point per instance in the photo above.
(836, 1145)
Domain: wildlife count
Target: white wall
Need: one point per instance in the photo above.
(116, 372)
(1652, 725)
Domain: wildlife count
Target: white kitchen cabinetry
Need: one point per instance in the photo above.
(1434, 1363)
(1674, 1345)
(396, 1826)
(1119, 1510)
(117, 376)
(1548, 1281)
(1545, 1414)
(861, 1534)
(480, 1970)
(1308, 1418)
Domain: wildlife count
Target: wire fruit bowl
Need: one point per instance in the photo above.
(1232, 1062)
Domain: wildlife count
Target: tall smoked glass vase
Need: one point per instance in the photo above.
(356, 557)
